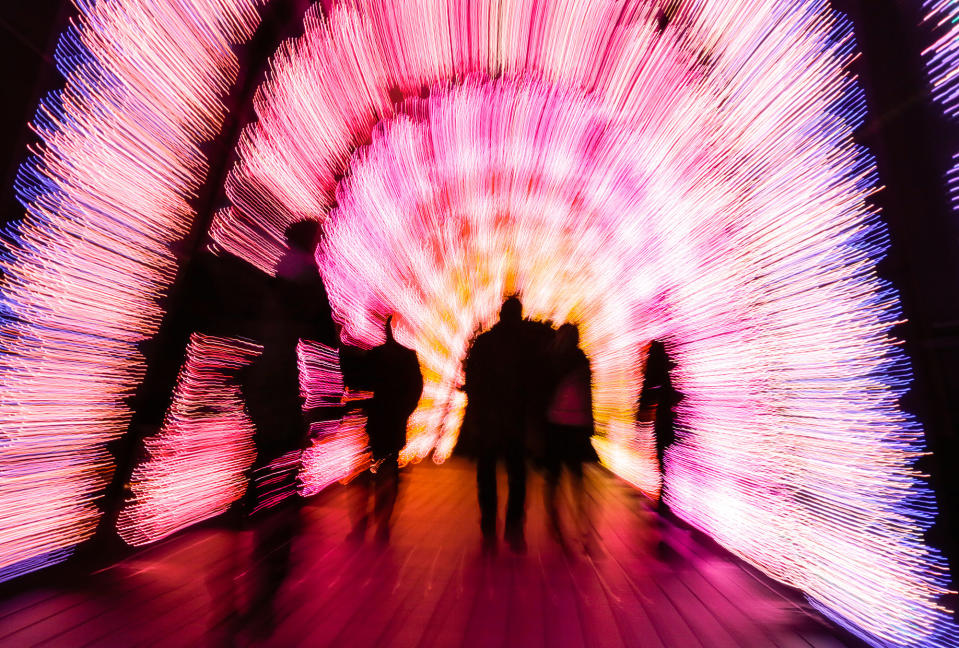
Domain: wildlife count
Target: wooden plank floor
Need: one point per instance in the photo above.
(649, 583)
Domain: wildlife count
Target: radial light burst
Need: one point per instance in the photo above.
(106, 194)
(683, 172)
(694, 159)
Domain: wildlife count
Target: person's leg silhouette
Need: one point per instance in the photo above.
(486, 486)
(387, 488)
(516, 502)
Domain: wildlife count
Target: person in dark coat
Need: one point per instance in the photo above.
(569, 427)
(497, 373)
(296, 306)
(394, 376)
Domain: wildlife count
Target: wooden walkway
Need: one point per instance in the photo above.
(432, 586)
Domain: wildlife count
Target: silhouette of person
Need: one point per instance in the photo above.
(224, 296)
(497, 384)
(541, 338)
(296, 306)
(656, 402)
(569, 426)
(394, 376)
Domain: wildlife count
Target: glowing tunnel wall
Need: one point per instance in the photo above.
(942, 59)
(687, 174)
(195, 466)
(107, 193)
(684, 172)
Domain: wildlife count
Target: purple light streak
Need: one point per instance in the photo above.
(726, 213)
(107, 192)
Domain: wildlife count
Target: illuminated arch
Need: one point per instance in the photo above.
(796, 389)
(121, 160)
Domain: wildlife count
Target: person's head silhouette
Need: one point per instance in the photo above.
(511, 311)
(303, 235)
(567, 337)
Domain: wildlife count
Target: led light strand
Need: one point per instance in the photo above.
(321, 381)
(942, 55)
(338, 448)
(684, 172)
(942, 60)
(197, 463)
(106, 195)
(768, 299)
(338, 452)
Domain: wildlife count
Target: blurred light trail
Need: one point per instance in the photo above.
(197, 463)
(942, 59)
(107, 193)
(338, 446)
(942, 56)
(684, 173)
(693, 158)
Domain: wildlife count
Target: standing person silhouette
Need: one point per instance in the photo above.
(656, 402)
(296, 306)
(569, 426)
(497, 378)
(397, 383)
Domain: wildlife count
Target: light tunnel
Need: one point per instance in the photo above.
(940, 56)
(675, 171)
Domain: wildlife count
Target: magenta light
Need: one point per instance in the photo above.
(682, 171)
(337, 449)
(197, 463)
(107, 193)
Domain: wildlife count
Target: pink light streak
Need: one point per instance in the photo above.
(337, 454)
(698, 184)
(107, 193)
(742, 191)
(321, 380)
(338, 447)
(197, 463)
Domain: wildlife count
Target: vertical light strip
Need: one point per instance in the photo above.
(942, 59)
